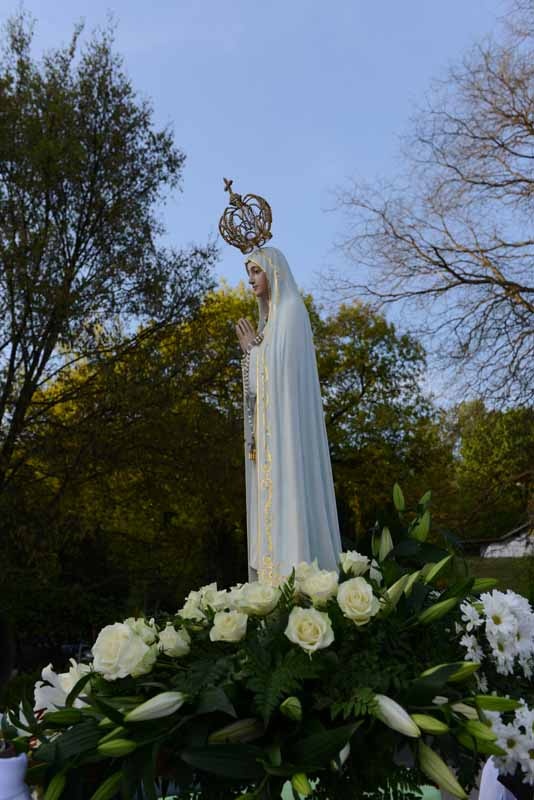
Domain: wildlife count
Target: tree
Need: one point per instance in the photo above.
(137, 490)
(494, 468)
(381, 426)
(139, 468)
(452, 239)
(82, 169)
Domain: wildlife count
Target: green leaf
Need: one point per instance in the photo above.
(270, 683)
(437, 568)
(398, 498)
(149, 778)
(421, 552)
(109, 788)
(426, 687)
(215, 699)
(425, 500)
(106, 709)
(229, 761)
(77, 688)
(459, 589)
(75, 741)
(361, 702)
(421, 529)
(319, 748)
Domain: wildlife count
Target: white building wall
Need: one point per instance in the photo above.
(519, 546)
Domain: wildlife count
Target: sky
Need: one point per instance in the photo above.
(290, 98)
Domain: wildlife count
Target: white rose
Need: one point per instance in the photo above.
(213, 597)
(304, 570)
(233, 596)
(147, 662)
(146, 630)
(119, 652)
(320, 586)
(357, 601)
(353, 563)
(174, 643)
(310, 629)
(228, 626)
(257, 598)
(191, 610)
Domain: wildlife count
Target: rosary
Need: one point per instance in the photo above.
(245, 365)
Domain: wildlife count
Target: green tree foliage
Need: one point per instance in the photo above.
(142, 467)
(82, 169)
(494, 470)
(137, 492)
(381, 426)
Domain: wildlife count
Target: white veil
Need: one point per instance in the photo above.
(291, 509)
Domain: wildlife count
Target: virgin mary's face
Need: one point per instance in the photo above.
(257, 279)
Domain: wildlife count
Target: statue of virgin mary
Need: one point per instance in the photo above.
(291, 508)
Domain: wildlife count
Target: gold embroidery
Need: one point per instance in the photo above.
(266, 571)
(268, 568)
(257, 465)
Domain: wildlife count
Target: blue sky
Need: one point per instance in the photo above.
(288, 97)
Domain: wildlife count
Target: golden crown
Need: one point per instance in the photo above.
(246, 222)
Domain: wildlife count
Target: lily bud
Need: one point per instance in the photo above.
(55, 787)
(117, 748)
(398, 498)
(489, 702)
(479, 746)
(301, 784)
(484, 585)
(395, 592)
(436, 769)
(466, 711)
(437, 611)
(292, 708)
(116, 733)
(410, 582)
(430, 724)
(394, 716)
(162, 705)
(467, 669)
(386, 544)
(239, 732)
(480, 731)
(65, 716)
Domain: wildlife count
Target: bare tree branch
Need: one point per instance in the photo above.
(453, 240)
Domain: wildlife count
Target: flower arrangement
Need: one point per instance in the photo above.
(498, 632)
(342, 682)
